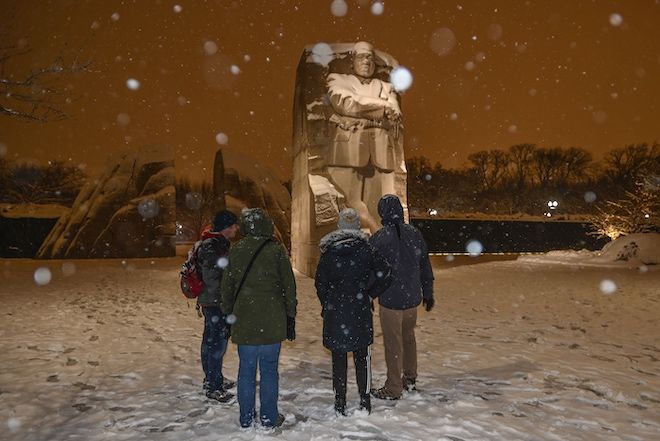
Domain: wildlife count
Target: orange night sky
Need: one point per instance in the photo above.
(555, 73)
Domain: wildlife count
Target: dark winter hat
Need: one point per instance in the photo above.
(223, 219)
(349, 219)
(390, 210)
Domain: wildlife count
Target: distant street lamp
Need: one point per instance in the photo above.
(552, 204)
(433, 212)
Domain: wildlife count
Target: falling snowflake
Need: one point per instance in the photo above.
(401, 78)
(339, 8)
(221, 138)
(607, 286)
(132, 84)
(616, 20)
(177, 8)
(13, 424)
(223, 262)
(148, 208)
(68, 269)
(322, 54)
(590, 197)
(377, 8)
(42, 276)
(210, 47)
(442, 41)
(474, 248)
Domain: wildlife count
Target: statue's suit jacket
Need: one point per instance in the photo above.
(362, 132)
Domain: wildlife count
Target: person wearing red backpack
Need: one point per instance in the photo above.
(212, 260)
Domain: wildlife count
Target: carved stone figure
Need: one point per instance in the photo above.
(348, 142)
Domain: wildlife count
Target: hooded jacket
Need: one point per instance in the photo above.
(268, 294)
(405, 249)
(349, 274)
(213, 247)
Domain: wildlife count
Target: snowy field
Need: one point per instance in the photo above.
(528, 349)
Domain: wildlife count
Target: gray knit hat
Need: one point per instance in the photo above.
(349, 219)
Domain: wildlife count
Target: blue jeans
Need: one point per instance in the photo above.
(266, 357)
(214, 346)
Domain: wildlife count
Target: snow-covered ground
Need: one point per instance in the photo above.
(515, 350)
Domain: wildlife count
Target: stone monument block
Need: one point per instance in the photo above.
(347, 142)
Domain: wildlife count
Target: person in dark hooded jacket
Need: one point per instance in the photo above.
(349, 275)
(405, 249)
(211, 260)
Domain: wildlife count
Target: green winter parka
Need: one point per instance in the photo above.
(268, 294)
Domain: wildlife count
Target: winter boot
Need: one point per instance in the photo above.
(365, 402)
(383, 394)
(221, 396)
(340, 405)
(409, 384)
(278, 423)
(228, 384)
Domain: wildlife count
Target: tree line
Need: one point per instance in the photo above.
(53, 183)
(524, 177)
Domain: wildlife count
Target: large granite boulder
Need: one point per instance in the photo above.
(128, 212)
(247, 183)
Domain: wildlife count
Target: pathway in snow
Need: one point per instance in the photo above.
(514, 350)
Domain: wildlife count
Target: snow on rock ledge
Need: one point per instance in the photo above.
(128, 212)
(631, 250)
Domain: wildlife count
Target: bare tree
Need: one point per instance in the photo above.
(490, 167)
(54, 183)
(625, 165)
(521, 157)
(39, 94)
(574, 166)
(547, 162)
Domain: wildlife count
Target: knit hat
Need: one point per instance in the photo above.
(223, 219)
(349, 219)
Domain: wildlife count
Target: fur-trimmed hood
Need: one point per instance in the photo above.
(342, 241)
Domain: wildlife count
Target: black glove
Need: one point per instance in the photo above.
(290, 328)
(428, 303)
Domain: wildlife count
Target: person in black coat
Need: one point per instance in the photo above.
(405, 249)
(349, 275)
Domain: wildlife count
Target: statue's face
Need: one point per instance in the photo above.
(364, 64)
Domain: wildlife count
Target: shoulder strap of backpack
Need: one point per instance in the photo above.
(247, 269)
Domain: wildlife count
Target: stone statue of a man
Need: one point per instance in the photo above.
(367, 129)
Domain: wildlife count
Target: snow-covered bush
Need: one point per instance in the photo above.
(636, 212)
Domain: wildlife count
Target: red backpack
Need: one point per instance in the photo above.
(191, 278)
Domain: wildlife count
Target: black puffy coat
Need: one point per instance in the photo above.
(214, 246)
(405, 249)
(349, 275)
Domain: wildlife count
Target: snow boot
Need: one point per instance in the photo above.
(278, 423)
(221, 396)
(409, 384)
(228, 384)
(383, 394)
(365, 402)
(340, 405)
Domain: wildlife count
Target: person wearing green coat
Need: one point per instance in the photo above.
(261, 311)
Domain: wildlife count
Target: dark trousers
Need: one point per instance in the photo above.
(214, 346)
(362, 360)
